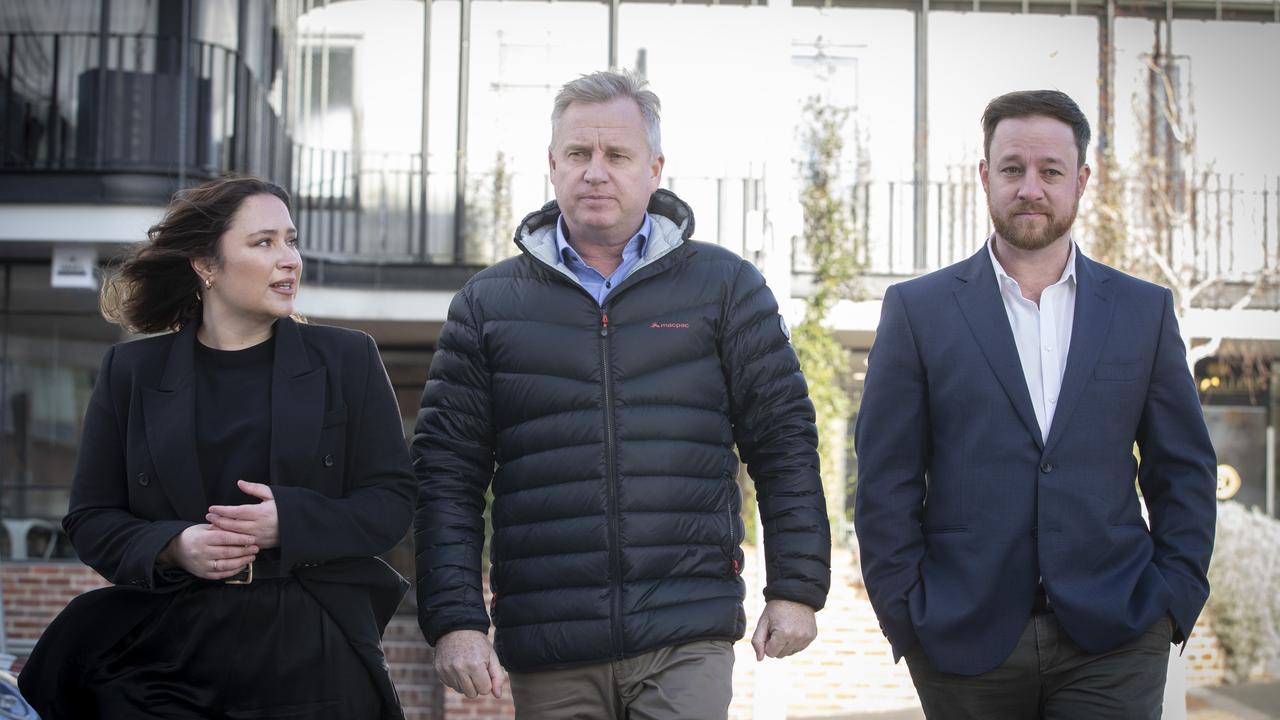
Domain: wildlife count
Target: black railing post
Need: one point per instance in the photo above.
(100, 132)
(460, 162)
(118, 89)
(155, 144)
(356, 196)
(7, 141)
(183, 91)
(329, 200)
(343, 204)
(229, 137)
(409, 215)
(241, 156)
(304, 239)
(425, 145)
(938, 185)
(309, 192)
(53, 124)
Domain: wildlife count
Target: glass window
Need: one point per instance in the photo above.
(330, 119)
(51, 343)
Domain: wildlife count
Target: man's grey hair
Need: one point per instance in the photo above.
(606, 85)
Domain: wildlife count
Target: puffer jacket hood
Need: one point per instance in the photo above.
(607, 436)
(672, 225)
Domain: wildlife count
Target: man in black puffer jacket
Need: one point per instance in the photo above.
(601, 380)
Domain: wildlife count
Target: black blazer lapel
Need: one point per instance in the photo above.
(169, 414)
(979, 297)
(1089, 328)
(297, 406)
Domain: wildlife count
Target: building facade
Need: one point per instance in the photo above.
(109, 106)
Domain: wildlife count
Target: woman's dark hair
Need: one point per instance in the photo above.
(155, 288)
(1050, 103)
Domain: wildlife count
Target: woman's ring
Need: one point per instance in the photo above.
(215, 566)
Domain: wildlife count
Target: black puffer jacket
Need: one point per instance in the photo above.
(609, 434)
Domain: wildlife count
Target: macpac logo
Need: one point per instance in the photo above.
(668, 326)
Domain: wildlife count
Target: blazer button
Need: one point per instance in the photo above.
(143, 480)
(327, 461)
(1046, 467)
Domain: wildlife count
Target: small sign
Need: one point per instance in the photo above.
(72, 267)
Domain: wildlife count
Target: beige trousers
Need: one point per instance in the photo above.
(694, 681)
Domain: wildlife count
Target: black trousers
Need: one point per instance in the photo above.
(1048, 676)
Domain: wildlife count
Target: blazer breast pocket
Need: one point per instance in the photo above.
(1119, 371)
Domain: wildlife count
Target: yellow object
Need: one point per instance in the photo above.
(1229, 482)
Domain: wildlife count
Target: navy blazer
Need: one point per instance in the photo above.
(962, 509)
(339, 471)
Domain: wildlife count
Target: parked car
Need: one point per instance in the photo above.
(12, 705)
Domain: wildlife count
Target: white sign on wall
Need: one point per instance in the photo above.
(72, 267)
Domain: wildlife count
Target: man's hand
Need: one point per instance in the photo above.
(785, 628)
(466, 662)
(209, 553)
(258, 520)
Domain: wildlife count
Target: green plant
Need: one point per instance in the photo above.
(1106, 223)
(489, 224)
(835, 251)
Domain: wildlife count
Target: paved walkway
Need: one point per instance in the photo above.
(1252, 701)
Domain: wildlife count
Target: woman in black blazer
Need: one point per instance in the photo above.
(236, 479)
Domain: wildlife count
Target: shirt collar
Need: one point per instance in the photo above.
(633, 249)
(1068, 272)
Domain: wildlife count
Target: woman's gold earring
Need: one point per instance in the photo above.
(208, 283)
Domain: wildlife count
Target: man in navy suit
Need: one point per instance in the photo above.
(1003, 544)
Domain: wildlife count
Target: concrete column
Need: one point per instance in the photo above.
(460, 159)
(920, 176)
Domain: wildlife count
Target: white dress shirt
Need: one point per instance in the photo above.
(1042, 334)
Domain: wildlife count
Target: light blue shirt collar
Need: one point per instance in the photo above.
(598, 285)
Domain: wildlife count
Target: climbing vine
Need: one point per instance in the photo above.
(836, 252)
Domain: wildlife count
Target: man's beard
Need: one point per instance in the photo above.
(1022, 235)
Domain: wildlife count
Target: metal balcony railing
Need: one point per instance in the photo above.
(1226, 227)
(136, 103)
(368, 208)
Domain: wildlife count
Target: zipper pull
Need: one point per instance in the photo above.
(604, 324)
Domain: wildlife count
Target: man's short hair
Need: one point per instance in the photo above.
(606, 85)
(1025, 103)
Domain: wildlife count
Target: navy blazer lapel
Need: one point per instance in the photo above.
(979, 297)
(169, 415)
(297, 406)
(1089, 328)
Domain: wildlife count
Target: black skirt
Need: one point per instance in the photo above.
(212, 650)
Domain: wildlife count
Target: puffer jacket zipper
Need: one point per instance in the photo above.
(611, 460)
(615, 515)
